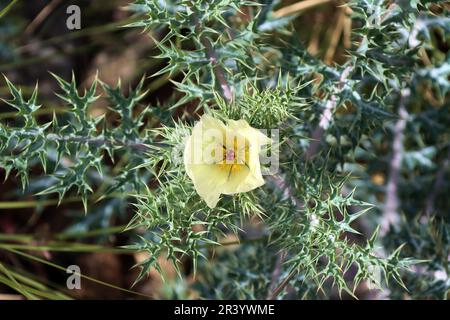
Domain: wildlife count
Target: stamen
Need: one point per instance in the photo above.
(229, 172)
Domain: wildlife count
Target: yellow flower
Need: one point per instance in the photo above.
(223, 159)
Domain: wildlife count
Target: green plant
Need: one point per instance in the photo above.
(241, 60)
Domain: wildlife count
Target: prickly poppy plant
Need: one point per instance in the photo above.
(290, 162)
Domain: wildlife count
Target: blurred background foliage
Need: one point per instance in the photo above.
(38, 237)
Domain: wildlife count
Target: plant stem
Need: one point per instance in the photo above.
(136, 145)
(298, 7)
(34, 258)
(311, 151)
(326, 116)
(390, 214)
(48, 202)
(7, 8)
(218, 71)
(282, 285)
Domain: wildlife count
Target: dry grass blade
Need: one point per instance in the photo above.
(299, 7)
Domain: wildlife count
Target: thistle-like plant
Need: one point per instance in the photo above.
(242, 60)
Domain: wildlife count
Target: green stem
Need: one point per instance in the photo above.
(49, 202)
(7, 8)
(29, 287)
(37, 259)
(56, 246)
(66, 247)
(40, 112)
(36, 282)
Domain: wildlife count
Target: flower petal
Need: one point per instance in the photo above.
(211, 138)
(208, 182)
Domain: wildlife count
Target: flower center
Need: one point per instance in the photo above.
(229, 155)
(235, 156)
